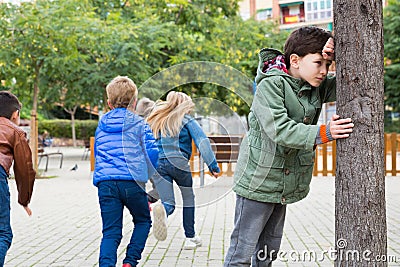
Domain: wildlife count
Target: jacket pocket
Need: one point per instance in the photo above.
(266, 170)
(306, 162)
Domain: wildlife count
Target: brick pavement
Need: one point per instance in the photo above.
(65, 228)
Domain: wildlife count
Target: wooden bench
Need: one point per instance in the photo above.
(226, 150)
(43, 154)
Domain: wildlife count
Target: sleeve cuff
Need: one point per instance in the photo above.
(323, 135)
(214, 166)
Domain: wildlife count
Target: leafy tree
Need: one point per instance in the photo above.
(233, 43)
(34, 37)
(392, 54)
(72, 49)
(41, 44)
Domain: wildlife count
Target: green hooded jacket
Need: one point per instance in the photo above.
(276, 157)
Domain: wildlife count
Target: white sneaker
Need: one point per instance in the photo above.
(160, 222)
(192, 243)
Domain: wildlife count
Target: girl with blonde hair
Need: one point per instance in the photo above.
(174, 130)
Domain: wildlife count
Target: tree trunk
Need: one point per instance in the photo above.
(361, 238)
(72, 113)
(33, 138)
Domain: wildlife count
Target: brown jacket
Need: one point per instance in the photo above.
(14, 146)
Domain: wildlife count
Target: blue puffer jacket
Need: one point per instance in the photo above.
(124, 149)
(181, 147)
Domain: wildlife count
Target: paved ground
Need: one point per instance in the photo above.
(65, 228)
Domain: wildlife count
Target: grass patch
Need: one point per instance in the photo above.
(40, 175)
(46, 177)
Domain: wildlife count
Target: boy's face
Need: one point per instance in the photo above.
(313, 68)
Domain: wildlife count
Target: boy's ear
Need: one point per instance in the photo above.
(15, 117)
(109, 104)
(132, 105)
(294, 61)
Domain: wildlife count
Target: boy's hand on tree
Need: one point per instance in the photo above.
(340, 128)
(28, 210)
(328, 52)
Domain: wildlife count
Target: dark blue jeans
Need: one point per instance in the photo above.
(113, 196)
(5, 226)
(178, 170)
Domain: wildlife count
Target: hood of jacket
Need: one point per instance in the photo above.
(113, 121)
(268, 54)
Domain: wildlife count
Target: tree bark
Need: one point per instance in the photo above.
(361, 238)
(33, 138)
(72, 113)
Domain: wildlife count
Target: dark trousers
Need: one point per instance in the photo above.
(113, 197)
(257, 234)
(176, 170)
(5, 226)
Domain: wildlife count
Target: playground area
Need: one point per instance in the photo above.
(65, 228)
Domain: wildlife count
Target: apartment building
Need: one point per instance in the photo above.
(260, 9)
(290, 13)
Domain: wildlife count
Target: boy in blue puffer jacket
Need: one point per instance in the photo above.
(126, 156)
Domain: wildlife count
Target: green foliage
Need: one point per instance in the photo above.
(392, 126)
(62, 128)
(37, 38)
(392, 54)
(71, 49)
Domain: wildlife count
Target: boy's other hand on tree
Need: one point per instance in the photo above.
(328, 52)
(340, 128)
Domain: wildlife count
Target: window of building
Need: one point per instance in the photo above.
(292, 13)
(318, 9)
(264, 14)
(295, 10)
(328, 4)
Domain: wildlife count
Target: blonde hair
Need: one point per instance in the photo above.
(166, 117)
(120, 91)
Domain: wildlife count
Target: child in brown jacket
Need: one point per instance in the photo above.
(13, 147)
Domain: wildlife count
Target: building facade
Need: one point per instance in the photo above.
(290, 13)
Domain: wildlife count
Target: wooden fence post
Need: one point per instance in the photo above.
(92, 159)
(333, 157)
(33, 140)
(393, 141)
